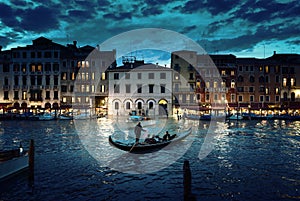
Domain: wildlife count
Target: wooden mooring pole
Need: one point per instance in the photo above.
(31, 164)
(187, 182)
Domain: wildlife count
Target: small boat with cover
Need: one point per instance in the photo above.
(147, 147)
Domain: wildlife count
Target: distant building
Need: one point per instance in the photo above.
(245, 84)
(43, 75)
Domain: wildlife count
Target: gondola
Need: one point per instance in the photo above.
(145, 147)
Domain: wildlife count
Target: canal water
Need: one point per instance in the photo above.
(247, 160)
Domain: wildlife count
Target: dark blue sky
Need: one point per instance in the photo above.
(244, 28)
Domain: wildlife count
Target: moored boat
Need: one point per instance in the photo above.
(12, 162)
(147, 147)
(66, 116)
(46, 116)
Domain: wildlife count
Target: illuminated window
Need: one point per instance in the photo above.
(261, 69)
(223, 84)
(232, 84)
(266, 69)
(198, 84)
(83, 88)
(103, 76)
(64, 99)
(277, 90)
(102, 88)
(232, 73)
(24, 95)
(93, 88)
(284, 82)
(73, 99)
(215, 84)
(207, 85)
(87, 88)
(292, 82)
(39, 68)
(93, 76)
(64, 76)
(73, 76)
(223, 72)
(267, 90)
(32, 68)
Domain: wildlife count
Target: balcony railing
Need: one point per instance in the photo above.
(35, 99)
(6, 87)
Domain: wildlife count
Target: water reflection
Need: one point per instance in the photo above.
(94, 136)
(249, 160)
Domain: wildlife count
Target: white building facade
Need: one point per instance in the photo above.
(142, 90)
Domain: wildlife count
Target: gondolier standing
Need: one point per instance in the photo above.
(137, 131)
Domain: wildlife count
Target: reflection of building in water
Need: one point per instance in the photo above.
(139, 88)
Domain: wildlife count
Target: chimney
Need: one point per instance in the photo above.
(75, 43)
(274, 52)
(0, 48)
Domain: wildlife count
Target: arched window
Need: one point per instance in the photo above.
(240, 79)
(293, 96)
(151, 105)
(252, 79)
(285, 96)
(139, 105)
(128, 105)
(116, 105)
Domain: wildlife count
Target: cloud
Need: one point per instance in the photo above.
(40, 19)
(7, 15)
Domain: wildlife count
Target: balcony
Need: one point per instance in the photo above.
(24, 88)
(17, 73)
(16, 87)
(47, 87)
(6, 87)
(36, 87)
(36, 99)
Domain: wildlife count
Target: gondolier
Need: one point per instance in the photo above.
(137, 131)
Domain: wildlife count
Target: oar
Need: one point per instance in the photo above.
(132, 147)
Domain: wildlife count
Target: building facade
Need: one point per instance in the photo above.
(246, 84)
(141, 89)
(46, 75)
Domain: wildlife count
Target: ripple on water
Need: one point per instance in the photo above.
(250, 160)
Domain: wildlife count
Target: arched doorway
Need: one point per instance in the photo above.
(16, 105)
(55, 105)
(163, 107)
(293, 96)
(24, 105)
(47, 105)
